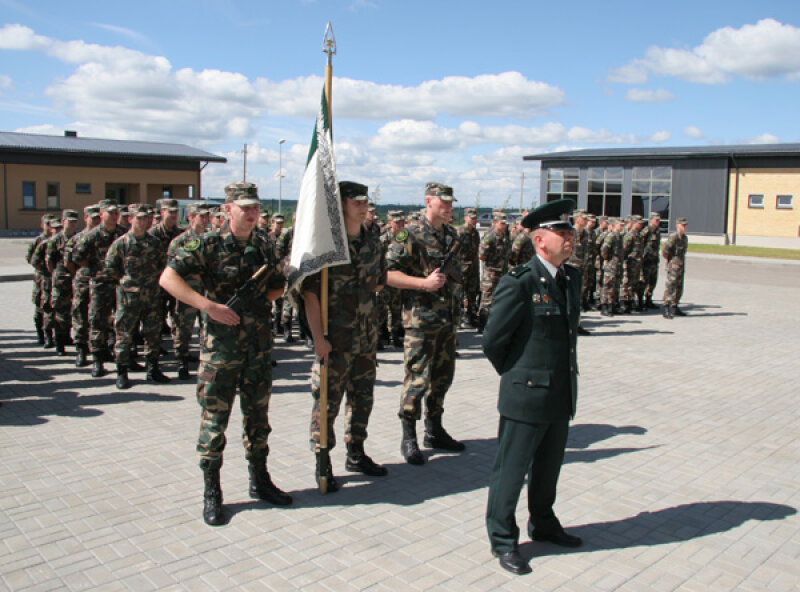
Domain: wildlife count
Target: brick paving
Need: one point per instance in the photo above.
(682, 470)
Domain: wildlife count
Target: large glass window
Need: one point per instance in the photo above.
(29, 195)
(651, 191)
(604, 197)
(53, 202)
(562, 183)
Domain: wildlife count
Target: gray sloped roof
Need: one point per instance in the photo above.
(672, 152)
(14, 141)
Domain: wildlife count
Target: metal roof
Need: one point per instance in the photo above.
(13, 141)
(672, 152)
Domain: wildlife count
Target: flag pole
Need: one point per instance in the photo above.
(329, 47)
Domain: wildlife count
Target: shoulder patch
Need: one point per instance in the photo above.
(401, 236)
(191, 245)
(519, 270)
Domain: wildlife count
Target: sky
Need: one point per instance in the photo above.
(440, 90)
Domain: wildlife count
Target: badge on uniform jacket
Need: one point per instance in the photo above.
(191, 244)
(401, 236)
(546, 298)
(537, 299)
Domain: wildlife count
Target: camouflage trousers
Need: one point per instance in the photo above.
(80, 311)
(488, 284)
(234, 357)
(472, 288)
(351, 374)
(185, 317)
(101, 311)
(598, 279)
(610, 282)
(673, 290)
(135, 309)
(287, 314)
(430, 362)
(61, 302)
(390, 309)
(37, 288)
(631, 279)
(587, 277)
(43, 306)
(649, 276)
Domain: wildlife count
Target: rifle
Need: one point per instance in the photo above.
(451, 254)
(244, 293)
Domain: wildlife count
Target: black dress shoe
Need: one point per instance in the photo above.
(560, 538)
(513, 562)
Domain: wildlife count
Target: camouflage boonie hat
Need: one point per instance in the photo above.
(91, 211)
(470, 213)
(242, 194)
(354, 191)
(70, 215)
(168, 204)
(440, 190)
(108, 205)
(682, 221)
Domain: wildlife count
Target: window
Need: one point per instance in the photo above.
(651, 190)
(52, 196)
(783, 202)
(562, 183)
(83, 187)
(166, 192)
(755, 201)
(605, 191)
(28, 195)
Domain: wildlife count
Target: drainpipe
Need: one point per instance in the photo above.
(735, 199)
(5, 192)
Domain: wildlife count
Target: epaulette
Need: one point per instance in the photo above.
(519, 270)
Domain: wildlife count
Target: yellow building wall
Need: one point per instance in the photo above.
(769, 220)
(139, 184)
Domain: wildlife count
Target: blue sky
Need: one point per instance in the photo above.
(439, 90)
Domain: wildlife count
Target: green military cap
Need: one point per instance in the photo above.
(499, 215)
(193, 209)
(278, 218)
(579, 214)
(470, 213)
(123, 211)
(354, 191)
(602, 218)
(613, 221)
(55, 223)
(682, 221)
(550, 215)
(108, 205)
(371, 207)
(139, 210)
(242, 194)
(655, 215)
(91, 211)
(397, 216)
(264, 212)
(168, 204)
(47, 218)
(591, 217)
(440, 190)
(636, 218)
(70, 215)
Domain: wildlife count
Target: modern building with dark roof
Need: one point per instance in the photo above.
(729, 192)
(45, 174)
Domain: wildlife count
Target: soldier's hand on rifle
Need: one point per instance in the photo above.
(222, 314)
(434, 281)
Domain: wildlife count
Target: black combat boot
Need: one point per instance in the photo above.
(49, 342)
(261, 485)
(135, 366)
(678, 312)
(359, 461)
(626, 307)
(649, 303)
(278, 326)
(483, 316)
(213, 514)
(154, 374)
(397, 339)
(332, 486)
(667, 311)
(409, 447)
(122, 377)
(80, 359)
(640, 303)
(287, 326)
(37, 322)
(97, 369)
(183, 369)
(61, 343)
(437, 437)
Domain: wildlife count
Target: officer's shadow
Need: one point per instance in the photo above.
(660, 527)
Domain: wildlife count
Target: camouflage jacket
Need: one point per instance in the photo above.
(90, 250)
(164, 235)
(522, 250)
(652, 242)
(351, 293)
(33, 245)
(494, 252)
(675, 247)
(611, 250)
(470, 243)
(418, 252)
(633, 245)
(580, 249)
(55, 255)
(82, 274)
(195, 282)
(136, 263)
(39, 257)
(284, 243)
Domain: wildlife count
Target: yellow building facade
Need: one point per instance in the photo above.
(764, 202)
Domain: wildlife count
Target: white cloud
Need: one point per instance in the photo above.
(5, 83)
(644, 95)
(767, 49)
(764, 139)
(693, 132)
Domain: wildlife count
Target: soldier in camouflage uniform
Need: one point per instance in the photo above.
(275, 235)
(218, 218)
(431, 313)
(350, 347)
(674, 252)
(264, 223)
(611, 254)
(287, 314)
(372, 224)
(237, 344)
(37, 277)
(600, 236)
(580, 258)
(632, 252)
(61, 297)
(133, 262)
(521, 249)
(165, 231)
(185, 315)
(494, 250)
(390, 300)
(591, 256)
(651, 236)
(470, 266)
(90, 251)
(39, 262)
(80, 288)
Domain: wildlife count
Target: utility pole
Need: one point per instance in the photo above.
(244, 173)
(521, 191)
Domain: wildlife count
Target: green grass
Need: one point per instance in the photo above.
(737, 250)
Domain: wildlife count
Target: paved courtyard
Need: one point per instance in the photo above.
(682, 471)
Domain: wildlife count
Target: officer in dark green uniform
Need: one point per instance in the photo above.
(530, 339)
